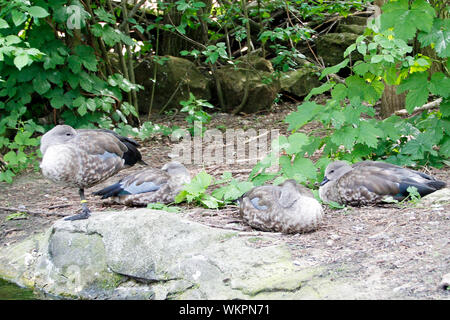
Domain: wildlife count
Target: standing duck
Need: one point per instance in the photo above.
(82, 158)
(370, 182)
(287, 208)
(148, 186)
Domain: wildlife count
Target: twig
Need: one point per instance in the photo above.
(431, 105)
(32, 212)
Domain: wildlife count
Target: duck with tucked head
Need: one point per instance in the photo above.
(287, 208)
(85, 157)
(148, 186)
(371, 182)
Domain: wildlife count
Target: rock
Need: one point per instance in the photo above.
(354, 20)
(151, 254)
(441, 196)
(300, 82)
(351, 28)
(262, 86)
(331, 47)
(445, 283)
(174, 80)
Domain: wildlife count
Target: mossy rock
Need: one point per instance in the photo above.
(300, 82)
(257, 76)
(331, 47)
(175, 79)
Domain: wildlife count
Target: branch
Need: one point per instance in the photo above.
(32, 212)
(431, 105)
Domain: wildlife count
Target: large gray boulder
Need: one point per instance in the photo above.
(148, 254)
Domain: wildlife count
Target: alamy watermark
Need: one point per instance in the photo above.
(213, 146)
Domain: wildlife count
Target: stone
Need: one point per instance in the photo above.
(351, 28)
(441, 196)
(331, 47)
(257, 75)
(175, 79)
(300, 81)
(151, 254)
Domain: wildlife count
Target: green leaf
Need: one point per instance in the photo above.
(74, 64)
(296, 142)
(323, 88)
(345, 136)
(369, 134)
(306, 111)
(87, 57)
(37, 12)
(18, 17)
(417, 90)
(22, 60)
(41, 85)
(438, 37)
(333, 69)
(440, 84)
(3, 24)
(405, 21)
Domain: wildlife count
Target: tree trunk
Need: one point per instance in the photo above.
(390, 101)
(171, 43)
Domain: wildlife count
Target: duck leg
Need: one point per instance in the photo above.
(85, 213)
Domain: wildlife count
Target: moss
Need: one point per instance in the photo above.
(111, 281)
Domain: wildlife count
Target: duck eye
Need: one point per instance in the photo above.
(68, 134)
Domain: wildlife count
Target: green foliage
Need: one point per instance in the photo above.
(47, 71)
(195, 192)
(349, 131)
(196, 115)
(232, 188)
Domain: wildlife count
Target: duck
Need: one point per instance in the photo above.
(146, 186)
(368, 183)
(85, 157)
(286, 208)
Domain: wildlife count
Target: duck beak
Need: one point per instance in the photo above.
(325, 180)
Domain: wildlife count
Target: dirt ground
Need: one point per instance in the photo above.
(401, 251)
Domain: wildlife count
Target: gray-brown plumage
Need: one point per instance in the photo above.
(82, 158)
(287, 208)
(148, 186)
(371, 182)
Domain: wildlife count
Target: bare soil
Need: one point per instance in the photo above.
(396, 252)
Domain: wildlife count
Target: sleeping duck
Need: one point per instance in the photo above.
(148, 186)
(83, 158)
(287, 208)
(370, 182)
